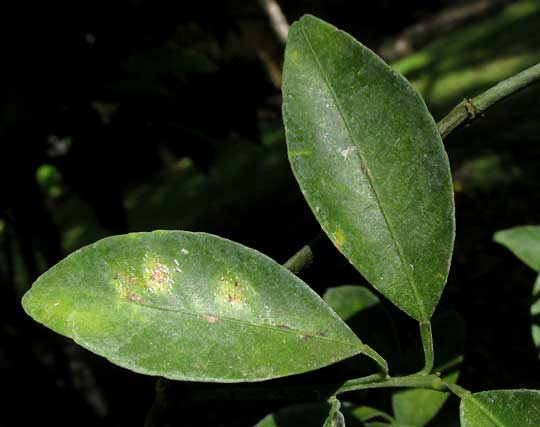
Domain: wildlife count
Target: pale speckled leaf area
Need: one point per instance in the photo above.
(370, 163)
(501, 408)
(189, 306)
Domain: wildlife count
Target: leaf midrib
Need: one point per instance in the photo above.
(358, 151)
(486, 412)
(220, 317)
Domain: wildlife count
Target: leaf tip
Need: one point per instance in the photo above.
(25, 302)
(307, 20)
(28, 303)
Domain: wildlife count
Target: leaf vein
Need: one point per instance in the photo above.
(368, 177)
(487, 413)
(245, 322)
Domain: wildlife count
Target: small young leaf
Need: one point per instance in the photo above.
(189, 306)
(370, 163)
(335, 417)
(314, 415)
(535, 314)
(523, 242)
(367, 413)
(501, 408)
(305, 414)
(349, 300)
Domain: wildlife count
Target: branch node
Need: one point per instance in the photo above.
(472, 109)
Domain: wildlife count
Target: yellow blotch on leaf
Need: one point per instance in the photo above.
(339, 239)
(231, 291)
(124, 284)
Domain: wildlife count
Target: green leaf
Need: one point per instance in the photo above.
(535, 314)
(349, 300)
(335, 417)
(523, 242)
(501, 408)
(307, 414)
(417, 407)
(370, 163)
(362, 310)
(367, 413)
(314, 415)
(189, 306)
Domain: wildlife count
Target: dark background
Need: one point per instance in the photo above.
(137, 115)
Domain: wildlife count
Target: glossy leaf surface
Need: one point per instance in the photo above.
(501, 408)
(370, 163)
(523, 242)
(189, 306)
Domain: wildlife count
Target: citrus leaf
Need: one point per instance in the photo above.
(335, 417)
(349, 300)
(370, 163)
(367, 413)
(535, 315)
(314, 415)
(523, 242)
(501, 408)
(189, 306)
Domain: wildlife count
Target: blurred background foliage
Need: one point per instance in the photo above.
(138, 115)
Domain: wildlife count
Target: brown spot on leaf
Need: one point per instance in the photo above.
(231, 290)
(233, 298)
(123, 282)
(283, 326)
(210, 319)
(133, 297)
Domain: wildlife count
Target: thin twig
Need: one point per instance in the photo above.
(428, 382)
(304, 257)
(277, 19)
(321, 391)
(470, 109)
